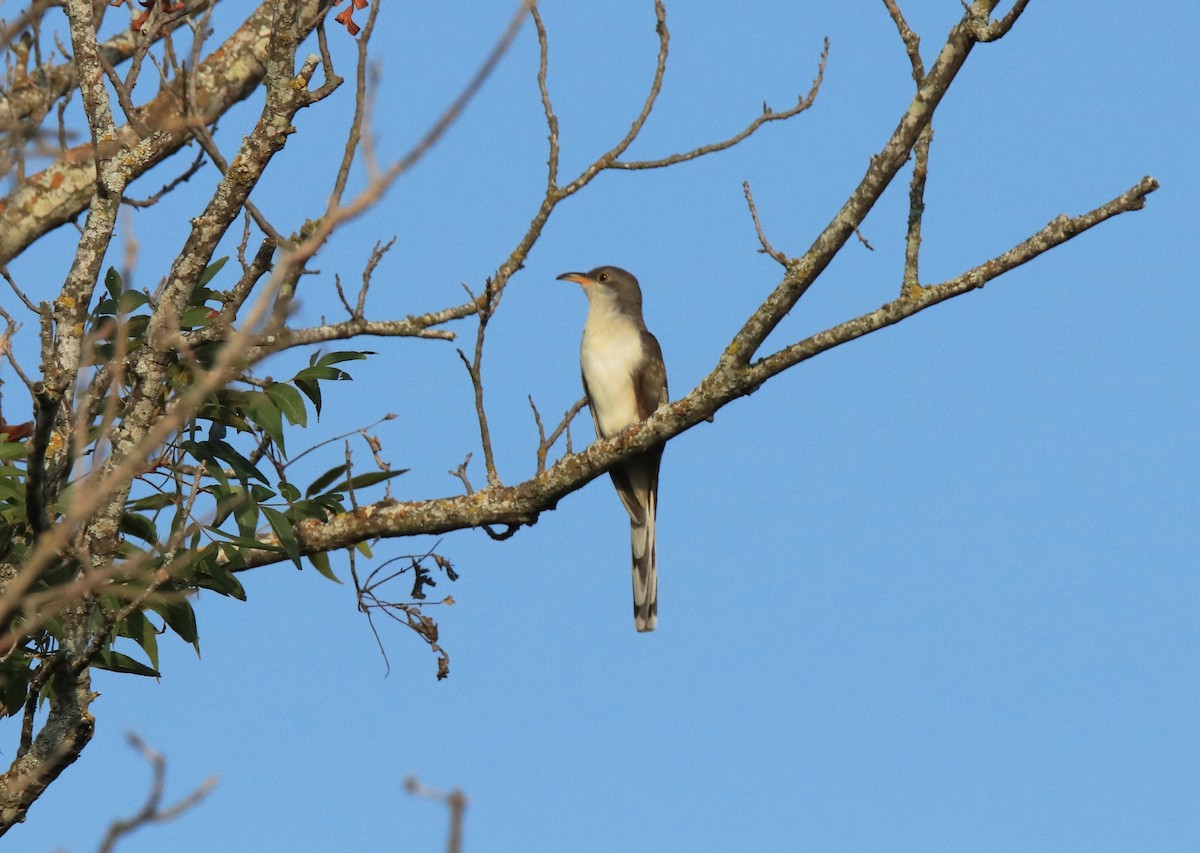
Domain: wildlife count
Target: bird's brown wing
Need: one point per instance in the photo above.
(650, 385)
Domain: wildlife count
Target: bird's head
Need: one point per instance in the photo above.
(608, 283)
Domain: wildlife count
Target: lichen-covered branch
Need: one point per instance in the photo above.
(61, 191)
(805, 270)
(523, 503)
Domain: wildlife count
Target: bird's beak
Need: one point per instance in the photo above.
(577, 277)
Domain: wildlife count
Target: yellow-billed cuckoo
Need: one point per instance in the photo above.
(625, 380)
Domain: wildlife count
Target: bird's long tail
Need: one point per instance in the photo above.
(645, 568)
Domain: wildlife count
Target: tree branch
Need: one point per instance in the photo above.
(768, 115)
(152, 810)
(62, 191)
(883, 168)
(521, 504)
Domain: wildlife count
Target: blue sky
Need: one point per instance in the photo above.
(933, 590)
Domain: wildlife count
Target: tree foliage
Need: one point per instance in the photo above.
(155, 460)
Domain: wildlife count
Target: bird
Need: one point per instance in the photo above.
(625, 381)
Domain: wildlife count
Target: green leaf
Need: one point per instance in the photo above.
(301, 510)
(180, 618)
(289, 401)
(290, 493)
(322, 483)
(246, 541)
(200, 295)
(221, 581)
(262, 410)
(332, 502)
(321, 371)
(14, 685)
(211, 271)
(117, 662)
(11, 490)
(227, 502)
(320, 561)
(139, 629)
(112, 283)
(245, 513)
(364, 549)
(139, 526)
(311, 390)
(228, 555)
(135, 327)
(221, 485)
(11, 450)
(261, 494)
(282, 525)
(370, 478)
(131, 300)
(224, 451)
(215, 570)
(195, 317)
(338, 357)
(156, 501)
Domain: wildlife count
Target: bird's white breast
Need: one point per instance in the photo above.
(610, 353)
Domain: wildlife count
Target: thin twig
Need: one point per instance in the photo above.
(452, 112)
(858, 233)
(608, 160)
(767, 248)
(911, 282)
(455, 800)
(461, 473)
(999, 29)
(152, 810)
(475, 371)
(768, 115)
(912, 42)
(916, 211)
(547, 105)
(11, 327)
(182, 178)
(377, 254)
(205, 140)
(15, 289)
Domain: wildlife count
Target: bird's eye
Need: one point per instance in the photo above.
(602, 277)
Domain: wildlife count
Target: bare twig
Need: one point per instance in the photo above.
(916, 192)
(474, 367)
(10, 329)
(767, 115)
(767, 248)
(608, 160)
(882, 169)
(547, 105)
(999, 29)
(858, 233)
(544, 443)
(175, 182)
(454, 800)
(17, 290)
(152, 811)
(912, 42)
(1057, 232)
(452, 112)
(916, 212)
(208, 146)
(461, 473)
(377, 254)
